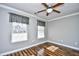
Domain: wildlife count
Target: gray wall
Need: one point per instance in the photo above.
(5, 40)
(65, 31)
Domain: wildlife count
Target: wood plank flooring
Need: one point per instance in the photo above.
(26, 52)
(33, 51)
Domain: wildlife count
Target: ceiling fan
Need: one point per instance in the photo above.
(50, 9)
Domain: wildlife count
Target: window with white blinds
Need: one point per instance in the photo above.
(19, 27)
(41, 29)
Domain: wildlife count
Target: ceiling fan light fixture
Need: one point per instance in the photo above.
(49, 10)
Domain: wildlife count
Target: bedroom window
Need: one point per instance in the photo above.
(41, 29)
(19, 28)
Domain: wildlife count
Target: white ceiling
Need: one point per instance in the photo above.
(67, 8)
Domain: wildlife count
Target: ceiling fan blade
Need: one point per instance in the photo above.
(47, 14)
(56, 11)
(58, 4)
(45, 5)
(40, 11)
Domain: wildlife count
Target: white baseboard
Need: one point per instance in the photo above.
(75, 48)
(21, 48)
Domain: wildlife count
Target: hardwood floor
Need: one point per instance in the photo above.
(33, 51)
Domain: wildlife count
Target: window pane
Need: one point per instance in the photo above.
(40, 31)
(19, 32)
